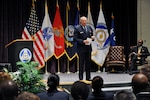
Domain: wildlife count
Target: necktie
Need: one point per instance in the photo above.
(139, 51)
(84, 28)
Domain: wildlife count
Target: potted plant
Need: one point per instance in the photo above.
(28, 77)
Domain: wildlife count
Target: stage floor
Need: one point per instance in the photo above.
(110, 79)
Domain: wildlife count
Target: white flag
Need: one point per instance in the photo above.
(101, 46)
(48, 35)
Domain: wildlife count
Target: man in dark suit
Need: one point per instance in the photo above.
(84, 36)
(138, 53)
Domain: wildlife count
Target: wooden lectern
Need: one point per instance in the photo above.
(15, 50)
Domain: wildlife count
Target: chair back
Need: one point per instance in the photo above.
(143, 96)
(115, 58)
(116, 53)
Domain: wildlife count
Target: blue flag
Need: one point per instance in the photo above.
(112, 34)
(77, 18)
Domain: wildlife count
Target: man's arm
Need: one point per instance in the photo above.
(145, 52)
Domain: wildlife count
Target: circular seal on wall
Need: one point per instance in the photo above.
(25, 55)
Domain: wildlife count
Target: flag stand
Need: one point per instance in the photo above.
(77, 64)
(46, 72)
(58, 68)
(99, 69)
(68, 71)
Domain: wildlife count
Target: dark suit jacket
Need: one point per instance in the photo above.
(144, 51)
(101, 96)
(80, 35)
(55, 95)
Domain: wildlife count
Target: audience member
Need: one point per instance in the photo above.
(4, 76)
(9, 89)
(27, 96)
(124, 95)
(79, 90)
(146, 70)
(53, 93)
(98, 93)
(140, 83)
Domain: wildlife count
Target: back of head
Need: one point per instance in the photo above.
(27, 96)
(9, 89)
(4, 76)
(79, 90)
(53, 81)
(146, 70)
(140, 83)
(124, 95)
(97, 83)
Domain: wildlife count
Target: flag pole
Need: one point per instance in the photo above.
(67, 10)
(58, 72)
(33, 4)
(78, 8)
(46, 10)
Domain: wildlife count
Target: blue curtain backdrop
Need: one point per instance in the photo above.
(14, 15)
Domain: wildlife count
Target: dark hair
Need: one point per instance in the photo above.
(97, 84)
(53, 81)
(9, 89)
(124, 95)
(79, 90)
(27, 96)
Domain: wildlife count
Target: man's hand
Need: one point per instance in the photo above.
(92, 37)
(86, 41)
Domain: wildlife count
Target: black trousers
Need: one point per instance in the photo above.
(84, 64)
(133, 62)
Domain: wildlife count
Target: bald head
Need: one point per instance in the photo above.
(83, 20)
(140, 42)
(146, 70)
(140, 83)
(140, 78)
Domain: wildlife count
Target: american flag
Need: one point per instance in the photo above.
(32, 31)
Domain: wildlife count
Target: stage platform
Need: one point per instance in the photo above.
(112, 81)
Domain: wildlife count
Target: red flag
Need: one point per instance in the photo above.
(32, 31)
(58, 34)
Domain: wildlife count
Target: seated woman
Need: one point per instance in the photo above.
(98, 93)
(53, 93)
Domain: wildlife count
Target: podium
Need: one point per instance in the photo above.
(19, 50)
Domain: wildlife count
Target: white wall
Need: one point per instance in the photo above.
(143, 22)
